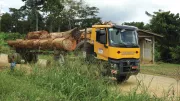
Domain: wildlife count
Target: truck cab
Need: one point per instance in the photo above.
(118, 45)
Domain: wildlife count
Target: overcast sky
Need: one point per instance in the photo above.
(118, 11)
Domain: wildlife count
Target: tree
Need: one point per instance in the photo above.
(52, 15)
(167, 24)
(52, 12)
(88, 16)
(16, 15)
(139, 25)
(34, 6)
(6, 23)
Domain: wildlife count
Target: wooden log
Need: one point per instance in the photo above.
(58, 43)
(38, 35)
(25, 44)
(75, 33)
(45, 44)
(63, 43)
(36, 43)
(14, 43)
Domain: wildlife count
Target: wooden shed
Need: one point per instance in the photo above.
(147, 46)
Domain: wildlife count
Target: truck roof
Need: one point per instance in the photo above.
(125, 27)
(116, 26)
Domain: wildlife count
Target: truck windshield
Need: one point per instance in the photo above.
(122, 38)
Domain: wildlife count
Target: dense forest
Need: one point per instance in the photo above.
(61, 15)
(50, 15)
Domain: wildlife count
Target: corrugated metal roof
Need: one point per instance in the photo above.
(148, 32)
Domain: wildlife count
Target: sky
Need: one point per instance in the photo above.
(118, 11)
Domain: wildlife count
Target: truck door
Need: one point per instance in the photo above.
(101, 44)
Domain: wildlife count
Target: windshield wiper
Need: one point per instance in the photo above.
(122, 44)
(133, 45)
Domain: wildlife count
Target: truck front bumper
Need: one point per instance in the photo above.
(125, 66)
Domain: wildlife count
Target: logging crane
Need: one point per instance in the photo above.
(115, 44)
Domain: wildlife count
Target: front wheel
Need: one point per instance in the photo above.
(122, 78)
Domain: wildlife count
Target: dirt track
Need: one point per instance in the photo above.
(3, 61)
(155, 85)
(4, 64)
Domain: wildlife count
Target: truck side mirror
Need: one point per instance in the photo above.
(101, 36)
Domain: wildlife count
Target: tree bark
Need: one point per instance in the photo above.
(36, 20)
(69, 23)
(59, 28)
(51, 27)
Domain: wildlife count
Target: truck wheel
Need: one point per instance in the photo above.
(61, 59)
(27, 55)
(16, 57)
(122, 78)
(30, 57)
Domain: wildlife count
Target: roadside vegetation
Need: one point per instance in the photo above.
(160, 68)
(4, 48)
(75, 80)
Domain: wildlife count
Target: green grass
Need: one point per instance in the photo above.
(165, 69)
(76, 80)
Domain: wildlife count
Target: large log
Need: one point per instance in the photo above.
(75, 33)
(63, 43)
(14, 43)
(26, 44)
(45, 44)
(38, 35)
(58, 43)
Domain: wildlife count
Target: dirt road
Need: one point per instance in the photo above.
(3, 61)
(4, 64)
(155, 85)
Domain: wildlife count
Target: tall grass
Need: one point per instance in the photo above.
(75, 80)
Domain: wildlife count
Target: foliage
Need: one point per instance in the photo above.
(8, 36)
(50, 15)
(160, 68)
(73, 81)
(167, 24)
(139, 25)
(11, 36)
(175, 52)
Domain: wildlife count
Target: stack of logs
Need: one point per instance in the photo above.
(44, 40)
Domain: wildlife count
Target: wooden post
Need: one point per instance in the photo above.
(153, 50)
(85, 38)
(143, 51)
(85, 44)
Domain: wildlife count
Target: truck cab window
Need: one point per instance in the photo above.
(101, 36)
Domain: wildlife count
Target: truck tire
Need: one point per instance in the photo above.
(122, 78)
(31, 57)
(27, 56)
(14, 57)
(58, 56)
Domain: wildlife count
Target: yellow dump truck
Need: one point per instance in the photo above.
(115, 44)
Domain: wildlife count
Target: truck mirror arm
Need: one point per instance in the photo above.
(105, 46)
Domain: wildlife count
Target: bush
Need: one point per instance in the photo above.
(11, 36)
(8, 36)
(74, 80)
(157, 55)
(175, 53)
